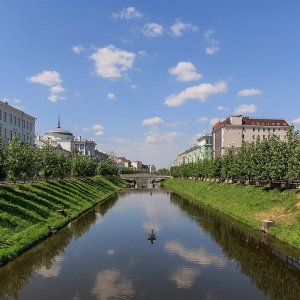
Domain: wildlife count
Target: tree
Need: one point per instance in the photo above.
(63, 168)
(13, 159)
(83, 166)
(107, 168)
(46, 162)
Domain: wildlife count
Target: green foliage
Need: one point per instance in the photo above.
(268, 160)
(83, 166)
(107, 168)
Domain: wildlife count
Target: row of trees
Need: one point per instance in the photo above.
(268, 160)
(20, 160)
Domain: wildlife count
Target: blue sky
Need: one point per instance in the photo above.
(145, 78)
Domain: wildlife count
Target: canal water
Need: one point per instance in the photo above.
(194, 253)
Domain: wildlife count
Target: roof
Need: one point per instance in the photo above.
(59, 130)
(246, 121)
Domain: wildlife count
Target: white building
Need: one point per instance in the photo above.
(14, 122)
(86, 147)
(231, 132)
(137, 165)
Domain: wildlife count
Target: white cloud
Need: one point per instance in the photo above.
(57, 89)
(160, 137)
(111, 96)
(245, 108)
(100, 132)
(202, 119)
(296, 121)
(49, 78)
(97, 127)
(152, 121)
(175, 124)
(78, 48)
(111, 62)
(52, 79)
(212, 47)
(222, 108)
(152, 30)
(185, 71)
(133, 87)
(127, 14)
(184, 277)
(249, 92)
(178, 27)
(200, 92)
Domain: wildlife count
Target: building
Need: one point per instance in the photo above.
(200, 151)
(123, 162)
(64, 140)
(137, 165)
(235, 130)
(14, 122)
(85, 147)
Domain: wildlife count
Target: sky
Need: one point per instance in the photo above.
(144, 79)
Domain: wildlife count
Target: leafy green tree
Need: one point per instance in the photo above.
(107, 168)
(27, 153)
(46, 162)
(13, 159)
(63, 168)
(83, 166)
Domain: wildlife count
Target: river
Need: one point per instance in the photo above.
(195, 253)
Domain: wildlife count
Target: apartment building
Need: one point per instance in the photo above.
(235, 130)
(14, 122)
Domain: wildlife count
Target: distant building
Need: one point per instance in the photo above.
(231, 132)
(64, 140)
(123, 162)
(200, 151)
(14, 122)
(137, 165)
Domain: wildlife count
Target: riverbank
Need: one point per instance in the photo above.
(248, 204)
(31, 212)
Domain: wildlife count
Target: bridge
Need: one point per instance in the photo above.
(144, 176)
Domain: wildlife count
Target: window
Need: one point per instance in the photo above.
(5, 132)
(253, 128)
(10, 134)
(15, 120)
(10, 119)
(264, 129)
(269, 129)
(258, 128)
(5, 116)
(243, 136)
(273, 129)
(264, 136)
(0, 114)
(24, 127)
(30, 126)
(27, 125)
(19, 136)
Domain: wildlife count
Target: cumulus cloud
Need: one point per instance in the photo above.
(249, 92)
(245, 109)
(296, 121)
(185, 71)
(152, 30)
(52, 79)
(127, 14)
(200, 92)
(202, 119)
(222, 108)
(212, 47)
(111, 96)
(99, 129)
(178, 27)
(111, 62)
(78, 48)
(49, 78)
(160, 137)
(152, 121)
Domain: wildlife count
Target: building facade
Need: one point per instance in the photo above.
(235, 130)
(14, 122)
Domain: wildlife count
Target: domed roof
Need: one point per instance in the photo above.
(59, 130)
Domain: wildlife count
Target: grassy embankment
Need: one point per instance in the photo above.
(248, 204)
(30, 212)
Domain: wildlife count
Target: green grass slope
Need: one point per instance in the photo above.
(248, 204)
(31, 212)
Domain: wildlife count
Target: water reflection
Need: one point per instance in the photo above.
(198, 254)
(112, 284)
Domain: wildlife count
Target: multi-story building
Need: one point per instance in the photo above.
(235, 130)
(14, 122)
(200, 151)
(123, 162)
(137, 165)
(85, 147)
